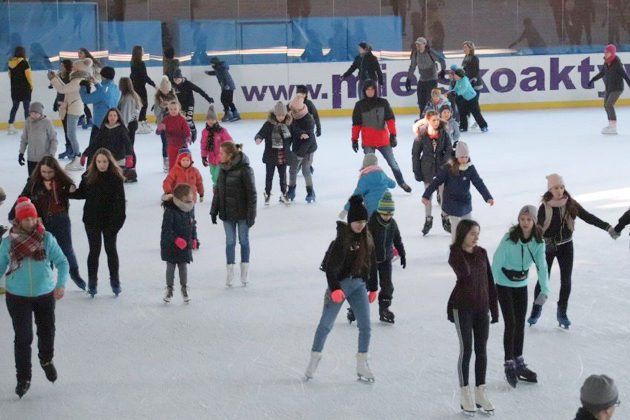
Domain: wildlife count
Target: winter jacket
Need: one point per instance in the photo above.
(584, 414)
(519, 256)
(456, 200)
(72, 102)
(128, 110)
(372, 184)
(343, 263)
(368, 66)
(305, 125)
(211, 141)
(221, 70)
(386, 236)
(373, 118)
(21, 79)
(235, 198)
(104, 97)
(184, 92)
(160, 105)
(180, 175)
(114, 139)
(176, 224)
(623, 222)
(453, 131)
(41, 138)
(312, 109)
(272, 127)
(139, 77)
(559, 230)
(613, 75)
(45, 201)
(425, 62)
(470, 64)
(464, 89)
(104, 201)
(474, 289)
(35, 278)
(428, 155)
(177, 130)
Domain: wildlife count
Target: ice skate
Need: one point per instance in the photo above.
(143, 128)
(510, 373)
(523, 373)
(227, 117)
(446, 223)
(310, 195)
(116, 290)
(406, 188)
(11, 130)
(466, 401)
(428, 224)
(291, 193)
(185, 294)
(350, 316)
(22, 388)
(165, 165)
(611, 128)
(386, 315)
(363, 369)
(312, 364)
(561, 315)
(283, 199)
(168, 295)
(536, 312)
(235, 116)
(49, 370)
(267, 197)
(68, 153)
(482, 402)
(244, 273)
(92, 292)
(230, 275)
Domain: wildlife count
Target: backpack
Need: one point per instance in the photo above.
(324, 265)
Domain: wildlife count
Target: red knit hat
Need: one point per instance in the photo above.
(24, 208)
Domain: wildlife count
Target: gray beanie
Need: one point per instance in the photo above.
(528, 209)
(279, 109)
(461, 149)
(369, 159)
(36, 107)
(211, 114)
(421, 40)
(599, 392)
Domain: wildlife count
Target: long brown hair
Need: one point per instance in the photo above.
(89, 55)
(106, 119)
(60, 175)
(453, 165)
(572, 208)
(432, 113)
(136, 54)
(463, 227)
(126, 88)
(92, 172)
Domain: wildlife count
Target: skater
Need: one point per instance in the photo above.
(312, 109)
(373, 118)
(431, 150)
(184, 89)
(304, 147)
(452, 126)
(468, 98)
(599, 397)
(349, 266)
(48, 188)
(425, 60)
(456, 175)
(140, 79)
(114, 137)
(384, 230)
(613, 73)
(212, 137)
(470, 64)
(105, 97)
(221, 69)
(185, 173)
(39, 136)
(473, 296)
(28, 253)
(276, 133)
(556, 216)
(163, 96)
(103, 214)
(129, 106)
(519, 248)
(436, 102)
(21, 85)
(176, 241)
(72, 107)
(176, 130)
(368, 66)
(85, 121)
(65, 68)
(235, 204)
(371, 186)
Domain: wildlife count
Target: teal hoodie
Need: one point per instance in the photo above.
(464, 88)
(35, 278)
(518, 256)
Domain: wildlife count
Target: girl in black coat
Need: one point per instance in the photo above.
(114, 137)
(304, 146)
(177, 237)
(235, 204)
(140, 79)
(21, 85)
(103, 214)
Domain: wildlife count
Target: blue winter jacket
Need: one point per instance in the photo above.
(221, 70)
(105, 96)
(464, 88)
(457, 200)
(372, 184)
(35, 278)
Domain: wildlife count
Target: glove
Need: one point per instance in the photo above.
(541, 299)
(250, 222)
(50, 74)
(214, 219)
(441, 74)
(204, 161)
(211, 100)
(343, 214)
(21, 159)
(403, 261)
(129, 161)
(372, 296)
(180, 243)
(392, 140)
(337, 296)
(612, 232)
(318, 132)
(83, 159)
(355, 145)
(408, 84)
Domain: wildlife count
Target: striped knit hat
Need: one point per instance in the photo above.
(386, 204)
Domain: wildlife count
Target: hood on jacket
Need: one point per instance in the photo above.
(288, 119)
(183, 155)
(239, 160)
(15, 61)
(369, 84)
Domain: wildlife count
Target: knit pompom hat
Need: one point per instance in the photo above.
(211, 114)
(445, 107)
(461, 150)
(554, 180)
(24, 208)
(386, 204)
(369, 159)
(165, 85)
(182, 153)
(599, 392)
(298, 107)
(357, 211)
(528, 209)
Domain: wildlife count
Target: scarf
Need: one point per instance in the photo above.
(25, 245)
(185, 207)
(369, 169)
(279, 133)
(562, 205)
(212, 130)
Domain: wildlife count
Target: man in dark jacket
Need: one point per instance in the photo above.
(599, 397)
(221, 70)
(425, 60)
(369, 68)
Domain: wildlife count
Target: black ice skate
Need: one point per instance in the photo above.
(536, 312)
(386, 315)
(561, 315)
(510, 373)
(446, 223)
(22, 387)
(49, 370)
(523, 373)
(428, 224)
(406, 188)
(350, 316)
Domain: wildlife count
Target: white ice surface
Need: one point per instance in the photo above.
(241, 353)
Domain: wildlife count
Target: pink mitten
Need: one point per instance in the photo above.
(83, 159)
(338, 296)
(129, 161)
(180, 243)
(372, 296)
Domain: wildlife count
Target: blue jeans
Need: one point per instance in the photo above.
(71, 124)
(356, 294)
(388, 154)
(231, 226)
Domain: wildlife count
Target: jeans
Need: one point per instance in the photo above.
(513, 301)
(609, 104)
(21, 309)
(564, 254)
(282, 173)
(71, 124)
(231, 227)
(170, 273)
(59, 226)
(388, 154)
(25, 104)
(424, 92)
(96, 235)
(305, 162)
(471, 324)
(455, 221)
(356, 294)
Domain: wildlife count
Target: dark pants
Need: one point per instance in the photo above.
(25, 104)
(64, 122)
(59, 226)
(31, 166)
(513, 301)
(227, 100)
(424, 92)
(471, 107)
(384, 270)
(610, 98)
(564, 254)
(132, 127)
(87, 112)
(142, 93)
(471, 324)
(96, 235)
(21, 310)
(93, 134)
(189, 113)
(282, 172)
(164, 145)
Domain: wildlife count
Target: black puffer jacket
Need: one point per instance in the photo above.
(613, 75)
(40, 197)
(305, 125)
(266, 133)
(386, 236)
(104, 201)
(235, 198)
(368, 66)
(426, 159)
(470, 64)
(115, 139)
(176, 224)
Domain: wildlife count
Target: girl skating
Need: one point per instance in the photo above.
(373, 182)
(212, 137)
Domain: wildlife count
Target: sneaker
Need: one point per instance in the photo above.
(168, 295)
(185, 294)
(609, 130)
(49, 370)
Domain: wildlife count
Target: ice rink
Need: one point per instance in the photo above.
(241, 353)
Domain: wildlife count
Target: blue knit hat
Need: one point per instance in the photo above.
(386, 204)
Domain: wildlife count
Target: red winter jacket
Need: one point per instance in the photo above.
(181, 175)
(177, 131)
(374, 119)
(220, 137)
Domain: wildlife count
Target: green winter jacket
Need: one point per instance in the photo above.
(518, 257)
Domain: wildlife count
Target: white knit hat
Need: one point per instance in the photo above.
(553, 180)
(461, 149)
(165, 85)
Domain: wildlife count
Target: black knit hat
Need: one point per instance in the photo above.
(301, 89)
(460, 72)
(108, 72)
(357, 210)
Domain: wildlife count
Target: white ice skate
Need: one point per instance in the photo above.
(185, 294)
(474, 126)
(611, 128)
(143, 128)
(466, 401)
(363, 369)
(168, 295)
(316, 356)
(244, 273)
(75, 165)
(165, 165)
(230, 275)
(482, 401)
(11, 130)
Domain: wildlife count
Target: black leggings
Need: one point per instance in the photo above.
(385, 295)
(564, 254)
(468, 324)
(424, 92)
(96, 235)
(132, 127)
(142, 93)
(282, 172)
(471, 107)
(25, 104)
(513, 301)
(227, 100)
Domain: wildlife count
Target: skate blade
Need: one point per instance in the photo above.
(563, 327)
(365, 380)
(485, 412)
(468, 413)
